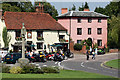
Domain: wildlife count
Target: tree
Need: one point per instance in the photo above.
(8, 7)
(6, 37)
(73, 8)
(86, 5)
(114, 32)
(48, 8)
(100, 10)
(81, 8)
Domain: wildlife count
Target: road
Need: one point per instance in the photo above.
(79, 62)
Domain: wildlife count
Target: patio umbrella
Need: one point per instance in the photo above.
(58, 45)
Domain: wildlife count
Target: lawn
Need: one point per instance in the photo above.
(113, 63)
(62, 74)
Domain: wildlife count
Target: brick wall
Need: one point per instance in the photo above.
(113, 50)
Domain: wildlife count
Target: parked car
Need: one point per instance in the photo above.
(100, 51)
(13, 57)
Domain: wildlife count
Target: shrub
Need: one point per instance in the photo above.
(50, 70)
(28, 68)
(16, 70)
(37, 70)
(5, 69)
(87, 47)
(31, 68)
(77, 46)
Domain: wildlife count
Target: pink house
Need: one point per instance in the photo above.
(86, 24)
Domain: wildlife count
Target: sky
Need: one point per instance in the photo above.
(69, 3)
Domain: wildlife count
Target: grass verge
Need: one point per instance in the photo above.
(113, 63)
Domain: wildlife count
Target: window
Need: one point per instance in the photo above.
(89, 30)
(99, 31)
(89, 20)
(79, 31)
(39, 33)
(61, 36)
(99, 42)
(39, 45)
(79, 41)
(79, 20)
(99, 20)
(18, 33)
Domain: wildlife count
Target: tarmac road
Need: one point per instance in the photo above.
(79, 62)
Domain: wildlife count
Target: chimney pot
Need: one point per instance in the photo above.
(86, 9)
(64, 10)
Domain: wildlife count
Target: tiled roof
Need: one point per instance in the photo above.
(82, 14)
(32, 20)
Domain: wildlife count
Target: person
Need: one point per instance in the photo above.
(93, 53)
(90, 50)
(87, 54)
(96, 51)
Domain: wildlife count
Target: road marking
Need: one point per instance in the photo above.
(44, 65)
(82, 64)
(92, 68)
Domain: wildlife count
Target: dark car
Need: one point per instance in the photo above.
(13, 57)
(100, 52)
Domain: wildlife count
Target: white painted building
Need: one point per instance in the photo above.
(41, 31)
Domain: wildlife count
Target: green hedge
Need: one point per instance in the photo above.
(77, 46)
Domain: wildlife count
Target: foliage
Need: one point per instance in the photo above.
(48, 8)
(81, 8)
(86, 5)
(5, 69)
(95, 46)
(7, 7)
(113, 11)
(77, 46)
(114, 32)
(73, 8)
(28, 7)
(27, 68)
(16, 70)
(6, 37)
(87, 47)
(50, 70)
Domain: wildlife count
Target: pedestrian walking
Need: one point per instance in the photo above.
(87, 54)
(93, 53)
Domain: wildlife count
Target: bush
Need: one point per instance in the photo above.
(87, 47)
(16, 70)
(77, 46)
(50, 70)
(5, 69)
(37, 70)
(28, 68)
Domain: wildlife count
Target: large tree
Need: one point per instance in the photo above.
(48, 8)
(6, 37)
(86, 5)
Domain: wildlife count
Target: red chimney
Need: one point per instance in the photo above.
(39, 8)
(86, 9)
(64, 10)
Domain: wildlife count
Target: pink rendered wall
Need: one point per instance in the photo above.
(85, 25)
